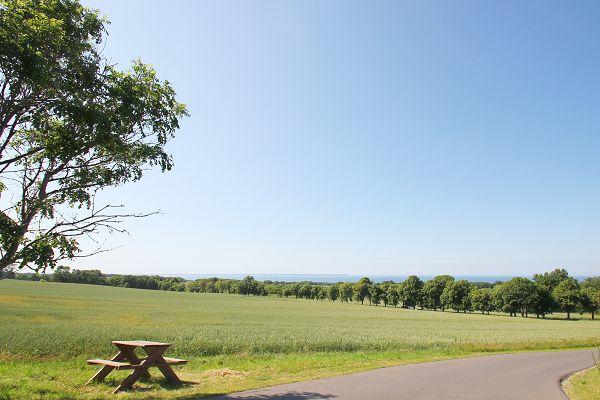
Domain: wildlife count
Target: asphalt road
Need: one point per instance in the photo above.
(531, 376)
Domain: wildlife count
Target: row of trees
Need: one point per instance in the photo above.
(544, 294)
(96, 277)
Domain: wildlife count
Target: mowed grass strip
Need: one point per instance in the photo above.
(584, 385)
(47, 330)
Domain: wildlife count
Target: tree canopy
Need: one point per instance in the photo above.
(71, 124)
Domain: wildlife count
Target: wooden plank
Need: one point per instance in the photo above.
(110, 363)
(139, 343)
(105, 370)
(174, 361)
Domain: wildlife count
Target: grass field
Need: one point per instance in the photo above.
(48, 330)
(584, 385)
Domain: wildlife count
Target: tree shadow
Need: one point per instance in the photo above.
(292, 395)
(163, 385)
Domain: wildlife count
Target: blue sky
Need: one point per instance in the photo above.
(368, 137)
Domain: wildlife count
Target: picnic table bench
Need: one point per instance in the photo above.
(126, 358)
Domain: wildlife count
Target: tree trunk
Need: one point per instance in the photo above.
(568, 315)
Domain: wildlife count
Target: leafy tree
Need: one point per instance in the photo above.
(543, 303)
(590, 300)
(287, 291)
(305, 290)
(8, 274)
(385, 291)
(392, 295)
(482, 300)
(71, 124)
(362, 289)
(547, 282)
(483, 285)
(567, 295)
(456, 295)
(432, 291)
(315, 292)
(323, 292)
(346, 291)
(518, 295)
(410, 291)
(247, 286)
(224, 285)
(375, 294)
(273, 289)
(550, 280)
(592, 282)
(333, 292)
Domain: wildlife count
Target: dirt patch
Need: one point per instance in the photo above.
(11, 299)
(224, 373)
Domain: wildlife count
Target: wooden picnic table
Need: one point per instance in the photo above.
(127, 359)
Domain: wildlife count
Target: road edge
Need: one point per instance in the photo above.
(564, 377)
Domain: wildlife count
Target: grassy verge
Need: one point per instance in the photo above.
(584, 385)
(54, 378)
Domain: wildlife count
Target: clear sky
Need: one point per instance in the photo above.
(370, 137)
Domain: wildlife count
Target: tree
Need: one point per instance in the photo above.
(543, 303)
(375, 294)
(410, 291)
(432, 291)
(71, 124)
(346, 290)
(550, 280)
(566, 294)
(223, 285)
(518, 295)
(547, 282)
(392, 295)
(323, 292)
(456, 295)
(385, 291)
(247, 286)
(481, 300)
(592, 282)
(590, 300)
(362, 289)
(333, 292)
(315, 291)
(288, 290)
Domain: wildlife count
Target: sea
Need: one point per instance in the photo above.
(333, 278)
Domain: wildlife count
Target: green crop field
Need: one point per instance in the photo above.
(48, 330)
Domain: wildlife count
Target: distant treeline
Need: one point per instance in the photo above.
(96, 277)
(545, 294)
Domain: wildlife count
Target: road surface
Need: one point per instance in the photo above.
(522, 376)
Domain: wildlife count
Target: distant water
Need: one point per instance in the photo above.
(332, 278)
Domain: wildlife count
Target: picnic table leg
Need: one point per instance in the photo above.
(165, 369)
(137, 373)
(105, 370)
(130, 356)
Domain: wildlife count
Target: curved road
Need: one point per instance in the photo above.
(531, 376)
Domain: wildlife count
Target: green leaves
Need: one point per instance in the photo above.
(70, 124)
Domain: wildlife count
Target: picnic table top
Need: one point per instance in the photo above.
(139, 343)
